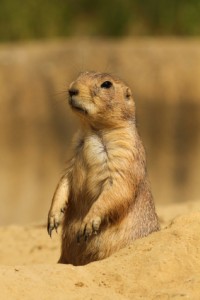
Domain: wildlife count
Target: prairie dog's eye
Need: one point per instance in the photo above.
(106, 84)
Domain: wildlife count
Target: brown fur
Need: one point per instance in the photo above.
(105, 194)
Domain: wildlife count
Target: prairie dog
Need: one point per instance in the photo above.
(104, 196)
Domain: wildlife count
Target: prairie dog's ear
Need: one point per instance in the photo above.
(128, 93)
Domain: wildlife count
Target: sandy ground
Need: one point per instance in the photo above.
(164, 265)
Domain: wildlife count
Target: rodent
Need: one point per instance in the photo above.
(104, 195)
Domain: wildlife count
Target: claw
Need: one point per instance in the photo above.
(88, 229)
(78, 238)
(56, 226)
(54, 220)
(49, 230)
(85, 238)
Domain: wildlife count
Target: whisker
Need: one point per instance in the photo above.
(60, 93)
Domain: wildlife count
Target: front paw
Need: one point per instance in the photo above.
(88, 227)
(54, 219)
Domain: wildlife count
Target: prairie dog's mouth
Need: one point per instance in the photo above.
(76, 105)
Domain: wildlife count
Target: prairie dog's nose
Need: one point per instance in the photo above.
(73, 92)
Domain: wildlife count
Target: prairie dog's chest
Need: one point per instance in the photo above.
(90, 167)
(94, 151)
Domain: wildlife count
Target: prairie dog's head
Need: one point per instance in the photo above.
(101, 99)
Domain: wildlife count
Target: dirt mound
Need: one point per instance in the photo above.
(164, 265)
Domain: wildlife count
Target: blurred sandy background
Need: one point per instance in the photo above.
(43, 47)
(155, 47)
(36, 125)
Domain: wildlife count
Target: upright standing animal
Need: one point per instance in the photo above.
(104, 195)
